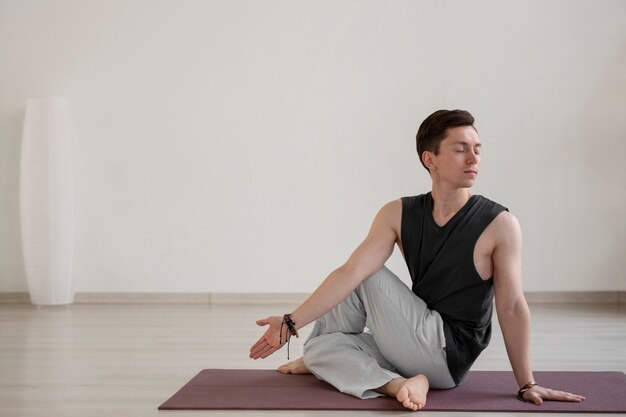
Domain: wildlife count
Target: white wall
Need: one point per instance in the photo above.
(246, 146)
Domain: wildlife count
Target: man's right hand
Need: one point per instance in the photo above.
(271, 340)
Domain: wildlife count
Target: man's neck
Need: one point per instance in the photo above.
(447, 202)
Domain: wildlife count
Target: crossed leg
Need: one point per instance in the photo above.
(411, 392)
(401, 355)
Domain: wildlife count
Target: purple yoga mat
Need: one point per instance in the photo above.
(247, 389)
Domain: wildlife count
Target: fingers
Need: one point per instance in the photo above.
(535, 398)
(270, 341)
(564, 396)
(267, 352)
(257, 345)
(538, 395)
(258, 349)
(262, 340)
(264, 347)
(263, 350)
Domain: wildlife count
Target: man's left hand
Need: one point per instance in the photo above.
(538, 394)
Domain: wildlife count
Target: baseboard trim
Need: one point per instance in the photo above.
(572, 297)
(14, 297)
(141, 298)
(167, 298)
(533, 297)
(258, 298)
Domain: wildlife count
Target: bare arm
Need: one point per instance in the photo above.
(513, 312)
(368, 258)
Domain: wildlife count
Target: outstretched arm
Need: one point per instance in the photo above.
(367, 259)
(513, 313)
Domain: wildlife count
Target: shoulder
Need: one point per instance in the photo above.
(507, 222)
(497, 215)
(395, 208)
(391, 210)
(506, 229)
(413, 199)
(496, 208)
(390, 216)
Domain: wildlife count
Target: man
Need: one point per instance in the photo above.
(460, 249)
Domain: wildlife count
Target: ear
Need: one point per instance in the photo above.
(428, 159)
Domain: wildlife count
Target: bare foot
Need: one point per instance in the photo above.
(294, 367)
(410, 392)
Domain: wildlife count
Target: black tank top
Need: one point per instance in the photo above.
(441, 265)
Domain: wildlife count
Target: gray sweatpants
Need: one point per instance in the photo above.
(403, 338)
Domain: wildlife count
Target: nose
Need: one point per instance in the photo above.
(472, 158)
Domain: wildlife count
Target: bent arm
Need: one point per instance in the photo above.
(367, 259)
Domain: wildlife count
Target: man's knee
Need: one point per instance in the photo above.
(320, 347)
(377, 279)
(322, 342)
(317, 348)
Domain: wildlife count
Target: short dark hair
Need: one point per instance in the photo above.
(433, 129)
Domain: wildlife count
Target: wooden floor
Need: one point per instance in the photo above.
(125, 360)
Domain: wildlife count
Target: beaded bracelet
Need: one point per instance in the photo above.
(291, 328)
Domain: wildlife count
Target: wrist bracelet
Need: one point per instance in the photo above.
(290, 325)
(529, 385)
(291, 329)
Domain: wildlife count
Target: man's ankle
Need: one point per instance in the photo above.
(391, 388)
